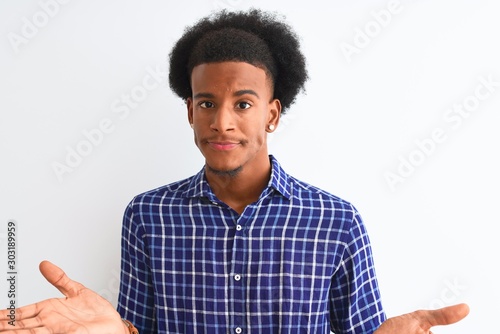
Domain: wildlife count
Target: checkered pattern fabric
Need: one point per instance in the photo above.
(298, 260)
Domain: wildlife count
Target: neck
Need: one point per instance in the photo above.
(240, 187)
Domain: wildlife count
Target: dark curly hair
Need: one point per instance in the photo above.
(254, 37)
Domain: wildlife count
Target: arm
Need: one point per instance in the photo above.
(355, 303)
(82, 311)
(136, 295)
(421, 322)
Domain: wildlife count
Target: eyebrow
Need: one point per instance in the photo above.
(237, 93)
(204, 95)
(246, 91)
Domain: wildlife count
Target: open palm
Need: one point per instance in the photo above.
(82, 311)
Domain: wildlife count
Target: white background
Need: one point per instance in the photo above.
(67, 68)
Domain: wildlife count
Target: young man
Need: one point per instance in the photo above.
(240, 247)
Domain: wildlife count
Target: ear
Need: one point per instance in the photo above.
(274, 114)
(189, 104)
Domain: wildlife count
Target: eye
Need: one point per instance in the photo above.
(243, 105)
(206, 104)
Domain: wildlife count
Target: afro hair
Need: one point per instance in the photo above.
(254, 37)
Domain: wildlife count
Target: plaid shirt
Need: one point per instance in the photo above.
(298, 260)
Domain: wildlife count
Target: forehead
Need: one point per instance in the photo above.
(228, 75)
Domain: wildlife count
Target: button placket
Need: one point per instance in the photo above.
(238, 267)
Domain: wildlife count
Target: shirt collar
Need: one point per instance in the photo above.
(279, 181)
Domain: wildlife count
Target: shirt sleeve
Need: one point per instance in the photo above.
(136, 295)
(355, 304)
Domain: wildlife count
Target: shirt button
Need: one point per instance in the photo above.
(238, 330)
(238, 227)
(237, 278)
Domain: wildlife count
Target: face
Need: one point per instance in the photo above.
(231, 109)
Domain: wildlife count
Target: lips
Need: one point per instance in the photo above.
(222, 145)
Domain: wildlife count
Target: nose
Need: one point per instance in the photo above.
(223, 119)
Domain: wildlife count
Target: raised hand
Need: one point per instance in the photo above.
(81, 311)
(421, 322)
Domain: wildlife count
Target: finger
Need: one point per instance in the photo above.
(24, 312)
(58, 278)
(29, 323)
(447, 315)
(39, 330)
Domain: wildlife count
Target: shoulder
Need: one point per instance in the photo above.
(167, 192)
(305, 191)
(332, 216)
(304, 194)
(147, 210)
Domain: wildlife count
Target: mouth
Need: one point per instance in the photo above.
(222, 145)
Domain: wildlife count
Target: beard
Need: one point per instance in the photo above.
(230, 173)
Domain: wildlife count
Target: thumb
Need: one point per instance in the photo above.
(58, 278)
(447, 315)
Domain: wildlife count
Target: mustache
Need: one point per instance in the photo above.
(219, 139)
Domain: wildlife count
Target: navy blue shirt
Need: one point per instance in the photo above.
(298, 260)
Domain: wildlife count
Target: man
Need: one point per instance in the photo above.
(240, 247)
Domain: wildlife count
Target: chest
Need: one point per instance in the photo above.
(253, 243)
